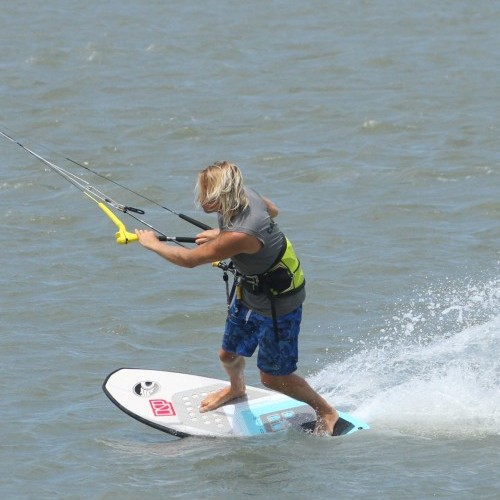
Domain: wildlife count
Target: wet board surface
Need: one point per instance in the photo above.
(169, 401)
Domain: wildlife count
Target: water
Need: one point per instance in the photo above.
(373, 126)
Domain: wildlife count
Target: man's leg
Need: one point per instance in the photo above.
(234, 366)
(296, 387)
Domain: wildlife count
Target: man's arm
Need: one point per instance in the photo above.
(272, 209)
(223, 246)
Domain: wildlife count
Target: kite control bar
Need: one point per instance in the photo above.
(123, 236)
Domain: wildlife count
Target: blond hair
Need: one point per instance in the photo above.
(222, 182)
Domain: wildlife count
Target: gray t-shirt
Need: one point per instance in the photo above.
(256, 221)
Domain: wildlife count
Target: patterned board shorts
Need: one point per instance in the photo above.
(246, 330)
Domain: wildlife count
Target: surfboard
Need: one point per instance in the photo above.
(169, 401)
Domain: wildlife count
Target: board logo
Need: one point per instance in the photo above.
(162, 408)
(146, 388)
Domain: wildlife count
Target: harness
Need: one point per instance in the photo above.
(283, 278)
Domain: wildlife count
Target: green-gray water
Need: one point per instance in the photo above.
(373, 125)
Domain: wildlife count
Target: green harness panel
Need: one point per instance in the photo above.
(284, 277)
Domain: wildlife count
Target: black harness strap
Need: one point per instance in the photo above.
(272, 299)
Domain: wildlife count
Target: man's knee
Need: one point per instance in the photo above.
(274, 382)
(229, 358)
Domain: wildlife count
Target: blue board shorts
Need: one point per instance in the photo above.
(246, 330)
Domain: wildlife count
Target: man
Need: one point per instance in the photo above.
(267, 309)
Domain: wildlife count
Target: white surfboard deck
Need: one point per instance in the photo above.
(169, 402)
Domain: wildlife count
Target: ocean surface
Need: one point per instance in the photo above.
(373, 125)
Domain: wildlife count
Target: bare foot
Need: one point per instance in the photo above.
(218, 398)
(326, 423)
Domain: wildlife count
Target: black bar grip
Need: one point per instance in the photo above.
(195, 222)
(180, 239)
(184, 239)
